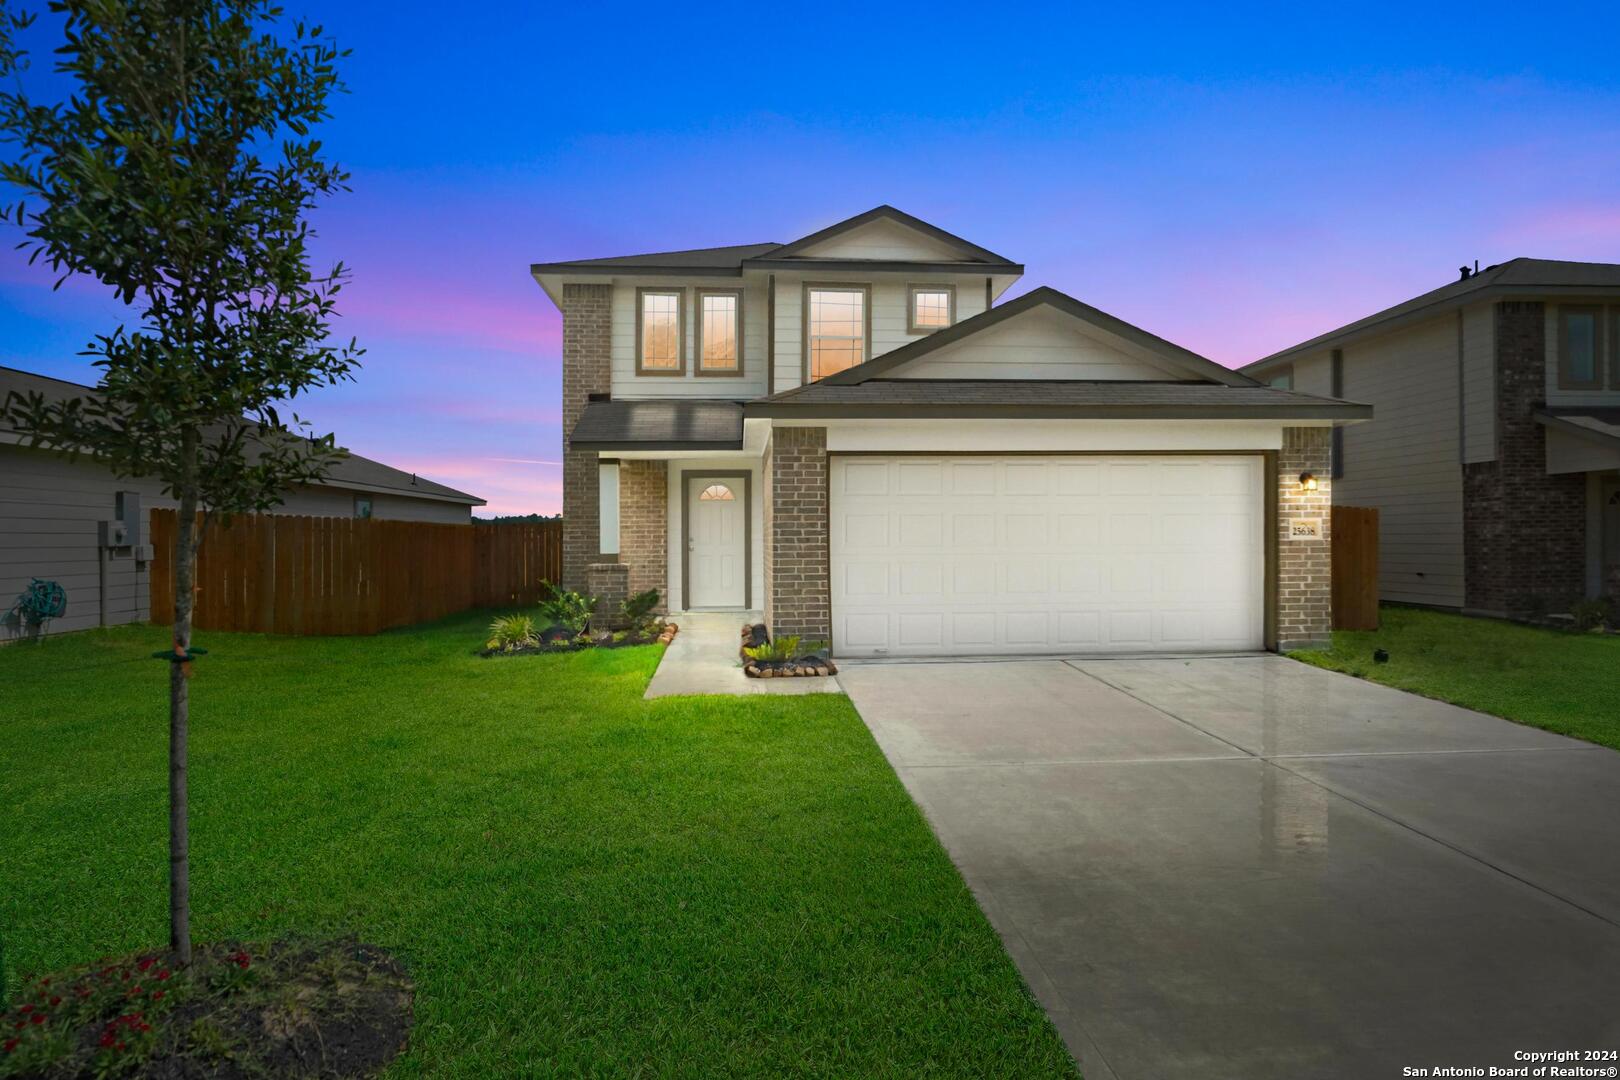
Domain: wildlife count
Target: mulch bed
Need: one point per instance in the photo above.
(756, 635)
(558, 640)
(284, 1009)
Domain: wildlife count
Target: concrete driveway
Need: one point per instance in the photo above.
(1250, 868)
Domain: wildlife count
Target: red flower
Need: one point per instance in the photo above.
(107, 1037)
(55, 1000)
(148, 962)
(119, 1046)
(26, 1008)
(11, 1044)
(164, 974)
(37, 1018)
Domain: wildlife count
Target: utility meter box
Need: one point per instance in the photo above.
(114, 534)
(127, 508)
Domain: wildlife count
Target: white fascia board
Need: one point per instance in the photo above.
(975, 436)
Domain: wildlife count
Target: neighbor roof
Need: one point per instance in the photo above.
(1596, 423)
(350, 471)
(663, 424)
(733, 260)
(1039, 398)
(1516, 277)
(1186, 360)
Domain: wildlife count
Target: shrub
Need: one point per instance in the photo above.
(780, 649)
(787, 648)
(1590, 614)
(510, 632)
(568, 609)
(635, 610)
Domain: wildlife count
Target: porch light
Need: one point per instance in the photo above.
(1307, 481)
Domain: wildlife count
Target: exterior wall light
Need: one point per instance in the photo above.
(1307, 481)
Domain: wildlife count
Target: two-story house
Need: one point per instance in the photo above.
(849, 433)
(1495, 458)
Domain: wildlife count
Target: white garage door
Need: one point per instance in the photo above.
(947, 556)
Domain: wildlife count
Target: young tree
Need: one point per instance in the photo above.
(179, 174)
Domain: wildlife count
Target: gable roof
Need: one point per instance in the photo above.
(1185, 360)
(1516, 277)
(349, 471)
(974, 253)
(731, 261)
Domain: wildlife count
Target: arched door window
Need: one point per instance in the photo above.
(716, 493)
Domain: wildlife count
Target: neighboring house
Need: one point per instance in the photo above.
(844, 432)
(52, 511)
(1495, 458)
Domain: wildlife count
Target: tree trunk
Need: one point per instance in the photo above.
(185, 565)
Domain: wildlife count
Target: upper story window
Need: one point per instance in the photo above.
(660, 332)
(719, 341)
(1282, 380)
(932, 307)
(837, 328)
(1580, 347)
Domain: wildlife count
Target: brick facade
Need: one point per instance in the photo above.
(609, 583)
(797, 587)
(1524, 532)
(644, 526)
(1304, 567)
(587, 369)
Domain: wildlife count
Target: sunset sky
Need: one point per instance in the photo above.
(1234, 181)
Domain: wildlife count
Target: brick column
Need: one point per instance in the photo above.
(607, 582)
(586, 370)
(644, 526)
(1524, 532)
(1304, 567)
(797, 594)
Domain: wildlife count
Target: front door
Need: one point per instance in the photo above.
(716, 542)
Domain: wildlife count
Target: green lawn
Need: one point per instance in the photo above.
(580, 881)
(1552, 679)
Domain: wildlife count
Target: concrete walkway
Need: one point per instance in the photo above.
(703, 660)
(1249, 868)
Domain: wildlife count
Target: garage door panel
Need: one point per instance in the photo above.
(920, 478)
(942, 555)
(865, 478)
(866, 532)
(972, 478)
(973, 530)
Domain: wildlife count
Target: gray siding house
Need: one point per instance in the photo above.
(1494, 460)
(850, 435)
(53, 510)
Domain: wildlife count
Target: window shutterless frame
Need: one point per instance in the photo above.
(1614, 347)
(866, 320)
(680, 330)
(1567, 379)
(736, 369)
(911, 307)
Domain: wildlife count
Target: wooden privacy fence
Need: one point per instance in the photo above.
(279, 574)
(1355, 568)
